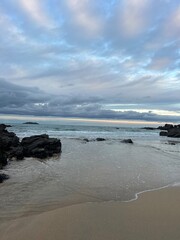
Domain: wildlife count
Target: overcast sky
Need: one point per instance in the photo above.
(116, 59)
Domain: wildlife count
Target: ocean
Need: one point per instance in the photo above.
(89, 171)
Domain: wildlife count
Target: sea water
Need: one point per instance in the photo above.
(89, 171)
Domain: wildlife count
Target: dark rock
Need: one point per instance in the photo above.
(174, 132)
(3, 156)
(7, 139)
(40, 146)
(163, 133)
(171, 130)
(86, 140)
(100, 139)
(3, 177)
(3, 159)
(149, 128)
(3, 127)
(7, 125)
(16, 152)
(171, 143)
(40, 153)
(31, 123)
(54, 145)
(30, 140)
(166, 127)
(127, 141)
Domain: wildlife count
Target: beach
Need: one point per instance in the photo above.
(94, 189)
(154, 215)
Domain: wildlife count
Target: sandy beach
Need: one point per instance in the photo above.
(154, 215)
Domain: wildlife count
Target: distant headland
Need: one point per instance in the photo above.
(31, 123)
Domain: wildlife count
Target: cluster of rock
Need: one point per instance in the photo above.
(39, 146)
(170, 130)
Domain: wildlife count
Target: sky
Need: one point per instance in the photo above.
(105, 59)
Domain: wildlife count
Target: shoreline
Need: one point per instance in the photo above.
(154, 215)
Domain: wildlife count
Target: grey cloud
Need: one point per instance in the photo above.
(31, 101)
(91, 111)
(18, 96)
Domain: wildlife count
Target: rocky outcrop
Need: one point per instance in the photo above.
(166, 127)
(7, 139)
(174, 132)
(9, 144)
(39, 146)
(170, 130)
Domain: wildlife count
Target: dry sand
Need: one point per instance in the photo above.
(155, 215)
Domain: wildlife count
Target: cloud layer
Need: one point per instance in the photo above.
(98, 59)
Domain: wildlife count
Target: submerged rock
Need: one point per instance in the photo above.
(100, 139)
(171, 143)
(127, 141)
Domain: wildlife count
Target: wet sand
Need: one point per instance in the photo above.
(155, 215)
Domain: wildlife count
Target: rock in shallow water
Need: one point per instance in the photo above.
(163, 133)
(174, 132)
(100, 139)
(3, 177)
(40, 146)
(127, 141)
(171, 131)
